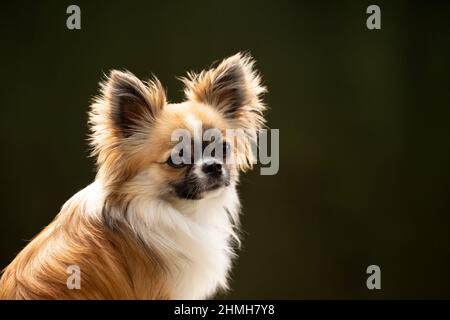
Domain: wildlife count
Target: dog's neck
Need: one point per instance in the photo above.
(194, 238)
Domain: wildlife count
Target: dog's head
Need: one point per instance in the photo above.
(146, 146)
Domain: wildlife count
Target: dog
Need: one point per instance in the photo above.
(151, 226)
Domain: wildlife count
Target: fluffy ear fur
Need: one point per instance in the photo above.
(129, 103)
(234, 88)
(121, 117)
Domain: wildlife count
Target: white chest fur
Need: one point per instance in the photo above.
(194, 237)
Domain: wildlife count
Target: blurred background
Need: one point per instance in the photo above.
(363, 116)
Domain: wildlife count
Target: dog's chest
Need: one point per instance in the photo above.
(205, 268)
(196, 241)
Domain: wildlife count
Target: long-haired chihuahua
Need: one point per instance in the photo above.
(151, 226)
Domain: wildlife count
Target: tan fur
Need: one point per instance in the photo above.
(113, 264)
(122, 250)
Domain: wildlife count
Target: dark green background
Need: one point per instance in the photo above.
(363, 118)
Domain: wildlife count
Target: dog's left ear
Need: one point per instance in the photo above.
(233, 87)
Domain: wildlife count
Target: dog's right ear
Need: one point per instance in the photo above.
(127, 106)
(121, 118)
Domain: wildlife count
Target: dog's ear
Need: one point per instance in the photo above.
(233, 87)
(126, 105)
(120, 120)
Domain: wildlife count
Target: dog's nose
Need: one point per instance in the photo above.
(212, 168)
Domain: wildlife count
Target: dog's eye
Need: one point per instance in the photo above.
(176, 161)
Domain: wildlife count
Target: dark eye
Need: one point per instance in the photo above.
(177, 159)
(226, 149)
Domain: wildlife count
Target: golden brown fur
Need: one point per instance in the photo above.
(113, 264)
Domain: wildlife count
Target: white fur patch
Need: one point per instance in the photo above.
(193, 236)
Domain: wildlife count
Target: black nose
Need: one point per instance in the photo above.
(212, 168)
